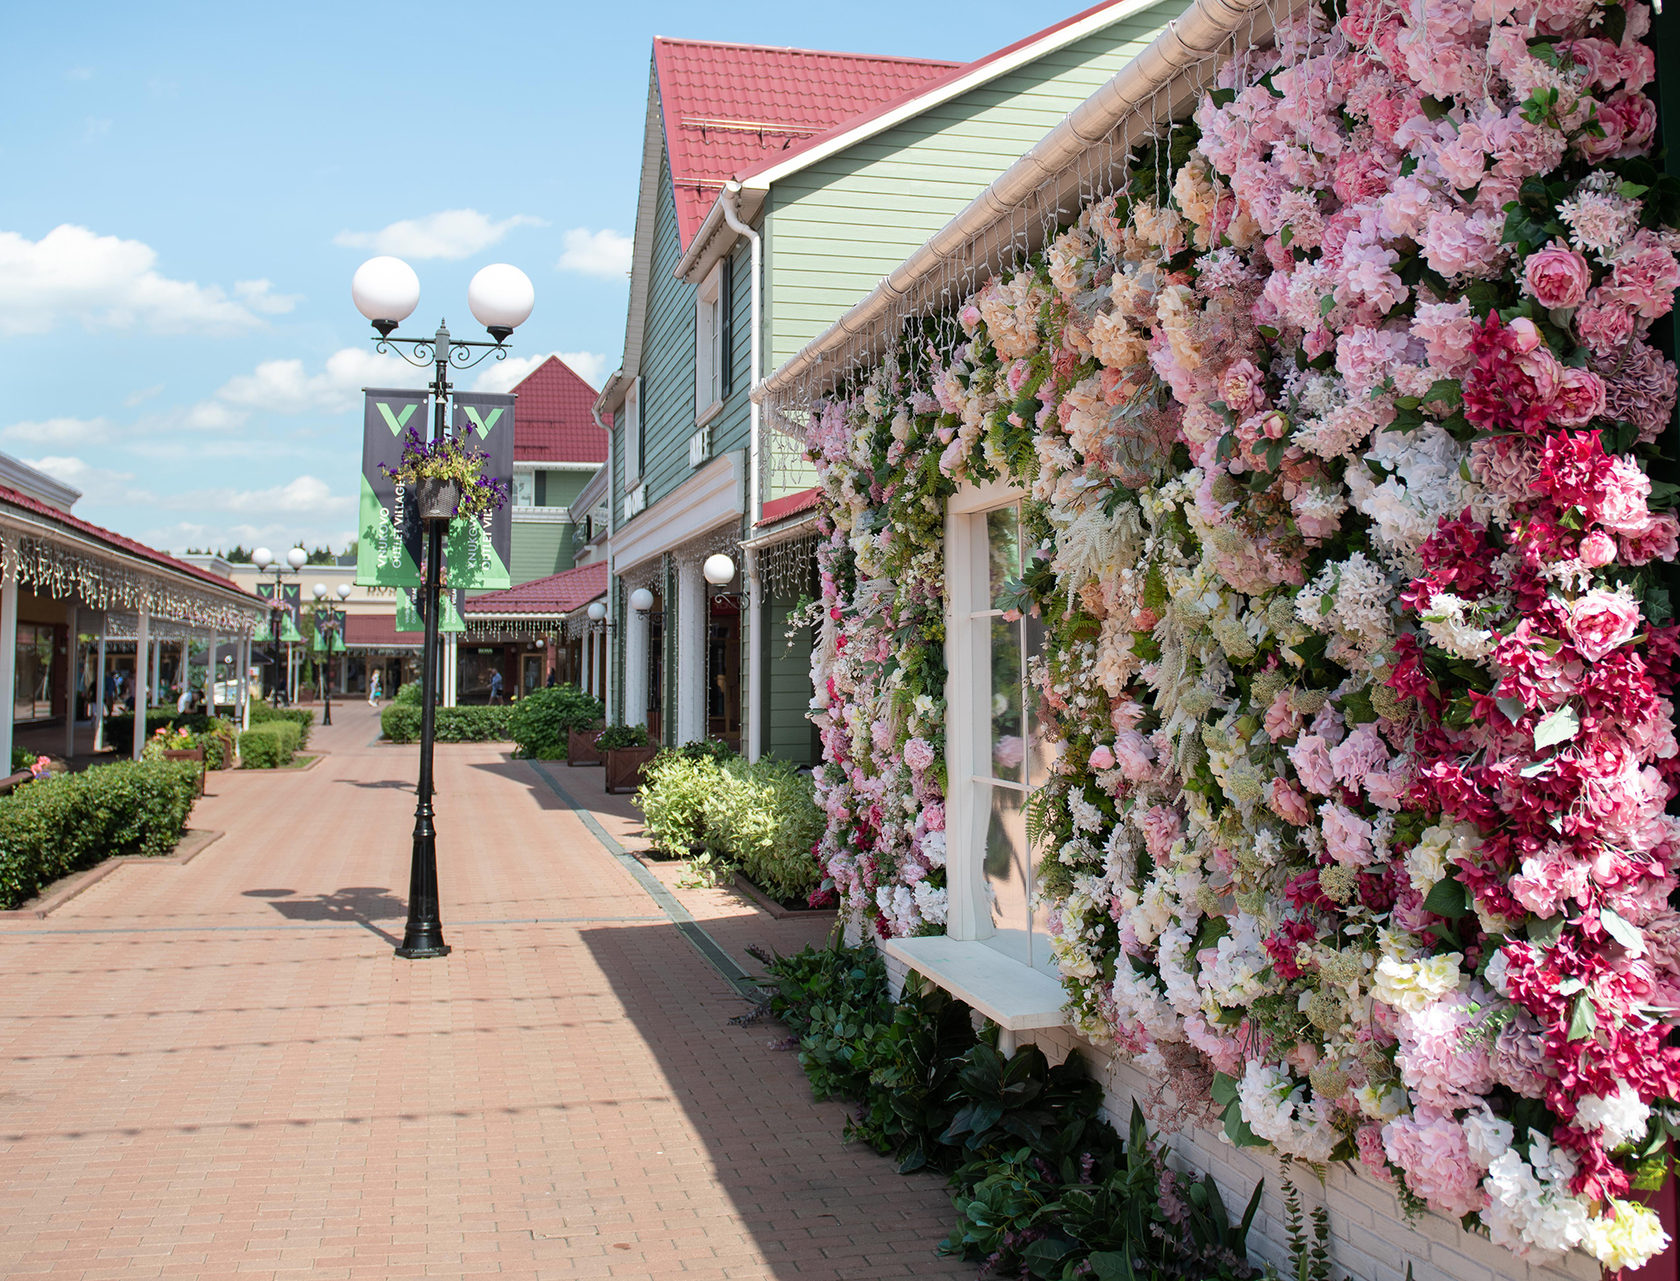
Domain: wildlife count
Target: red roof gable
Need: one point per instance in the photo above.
(551, 420)
(116, 541)
(557, 594)
(790, 505)
(911, 91)
(731, 107)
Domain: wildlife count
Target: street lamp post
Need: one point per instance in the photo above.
(386, 291)
(262, 558)
(331, 630)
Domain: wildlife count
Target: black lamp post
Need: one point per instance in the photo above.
(262, 558)
(329, 628)
(386, 291)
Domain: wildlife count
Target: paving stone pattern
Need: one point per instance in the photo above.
(220, 1070)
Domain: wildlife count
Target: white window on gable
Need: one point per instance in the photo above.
(998, 754)
(524, 489)
(709, 346)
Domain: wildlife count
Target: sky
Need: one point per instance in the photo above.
(189, 188)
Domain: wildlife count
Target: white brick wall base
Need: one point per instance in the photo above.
(1370, 1237)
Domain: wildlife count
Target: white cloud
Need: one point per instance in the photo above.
(259, 295)
(288, 387)
(64, 432)
(98, 484)
(603, 253)
(304, 508)
(504, 375)
(144, 394)
(452, 233)
(103, 281)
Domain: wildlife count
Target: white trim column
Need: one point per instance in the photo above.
(451, 668)
(692, 610)
(8, 666)
(72, 631)
(154, 664)
(144, 656)
(184, 674)
(244, 661)
(752, 667)
(636, 635)
(100, 709)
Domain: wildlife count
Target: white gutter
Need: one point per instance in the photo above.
(755, 593)
(1166, 65)
(612, 559)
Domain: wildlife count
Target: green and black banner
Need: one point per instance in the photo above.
(411, 618)
(329, 629)
(390, 544)
(290, 607)
(480, 550)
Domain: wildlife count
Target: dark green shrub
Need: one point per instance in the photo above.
(617, 736)
(544, 717)
(672, 798)
(270, 745)
(409, 694)
(58, 825)
(265, 714)
(401, 723)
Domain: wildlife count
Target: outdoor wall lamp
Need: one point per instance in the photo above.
(719, 570)
(641, 600)
(387, 291)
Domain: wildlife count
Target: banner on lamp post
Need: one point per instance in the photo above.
(411, 616)
(389, 542)
(479, 550)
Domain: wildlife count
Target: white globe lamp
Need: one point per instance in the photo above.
(320, 591)
(597, 612)
(262, 558)
(501, 297)
(641, 600)
(297, 558)
(386, 291)
(718, 570)
(344, 590)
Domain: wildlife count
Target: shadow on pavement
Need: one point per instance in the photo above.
(354, 905)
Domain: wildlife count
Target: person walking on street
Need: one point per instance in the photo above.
(373, 691)
(495, 687)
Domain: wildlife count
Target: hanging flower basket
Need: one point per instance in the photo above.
(436, 499)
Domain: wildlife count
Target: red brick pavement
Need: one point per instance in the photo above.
(219, 1069)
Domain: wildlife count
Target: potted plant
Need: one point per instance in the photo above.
(581, 748)
(625, 749)
(445, 478)
(181, 745)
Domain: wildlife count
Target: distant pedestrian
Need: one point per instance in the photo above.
(373, 691)
(495, 687)
(553, 678)
(183, 704)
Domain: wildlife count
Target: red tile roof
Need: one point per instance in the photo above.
(789, 505)
(557, 594)
(378, 631)
(911, 91)
(117, 542)
(731, 107)
(551, 421)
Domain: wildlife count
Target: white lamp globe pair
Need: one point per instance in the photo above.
(262, 558)
(387, 291)
(320, 590)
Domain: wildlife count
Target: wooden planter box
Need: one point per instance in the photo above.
(580, 747)
(12, 782)
(624, 767)
(194, 754)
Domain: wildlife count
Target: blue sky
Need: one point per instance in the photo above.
(190, 187)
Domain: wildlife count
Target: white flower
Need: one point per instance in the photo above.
(1628, 1240)
(1530, 1207)
(1621, 1117)
(1412, 985)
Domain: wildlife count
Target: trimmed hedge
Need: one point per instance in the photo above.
(58, 825)
(762, 818)
(401, 723)
(269, 745)
(119, 730)
(543, 718)
(265, 714)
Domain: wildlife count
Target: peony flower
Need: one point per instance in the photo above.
(1557, 277)
(1601, 621)
(1102, 758)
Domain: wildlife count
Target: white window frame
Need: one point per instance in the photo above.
(708, 347)
(527, 477)
(632, 415)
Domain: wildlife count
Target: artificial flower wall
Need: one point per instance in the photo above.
(1339, 426)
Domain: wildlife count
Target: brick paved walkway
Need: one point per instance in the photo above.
(219, 1069)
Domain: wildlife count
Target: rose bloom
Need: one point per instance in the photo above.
(1597, 549)
(1604, 324)
(1580, 398)
(1557, 276)
(1600, 621)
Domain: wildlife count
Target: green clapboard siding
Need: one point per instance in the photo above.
(540, 548)
(837, 228)
(560, 488)
(787, 694)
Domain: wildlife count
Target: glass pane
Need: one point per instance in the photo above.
(1008, 737)
(1038, 747)
(1008, 874)
(1003, 544)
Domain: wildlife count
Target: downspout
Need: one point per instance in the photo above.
(755, 595)
(612, 561)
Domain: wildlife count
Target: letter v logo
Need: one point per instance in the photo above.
(483, 425)
(395, 422)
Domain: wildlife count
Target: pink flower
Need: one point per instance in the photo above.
(1557, 276)
(1281, 721)
(1597, 549)
(1440, 1057)
(1102, 757)
(1601, 621)
(1242, 388)
(1580, 398)
(1311, 757)
(1645, 278)
(1603, 324)
(1347, 837)
(1288, 802)
(918, 754)
(1435, 1156)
